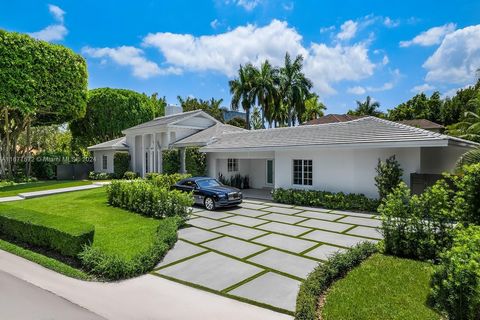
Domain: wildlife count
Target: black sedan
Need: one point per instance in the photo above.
(209, 192)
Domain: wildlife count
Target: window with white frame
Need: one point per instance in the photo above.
(232, 165)
(104, 162)
(303, 172)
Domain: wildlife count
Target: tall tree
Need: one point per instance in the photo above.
(212, 106)
(294, 88)
(40, 84)
(313, 108)
(366, 108)
(109, 111)
(256, 121)
(241, 90)
(264, 89)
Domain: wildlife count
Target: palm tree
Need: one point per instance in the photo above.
(241, 90)
(468, 129)
(257, 122)
(366, 108)
(469, 157)
(313, 108)
(294, 88)
(264, 89)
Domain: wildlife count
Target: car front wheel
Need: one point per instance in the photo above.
(209, 204)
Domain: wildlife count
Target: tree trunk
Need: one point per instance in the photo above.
(247, 114)
(28, 164)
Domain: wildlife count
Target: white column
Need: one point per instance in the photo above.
(182, 160)
(155, 156)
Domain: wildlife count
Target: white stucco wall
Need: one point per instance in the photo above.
(438, 160)
(98, 160)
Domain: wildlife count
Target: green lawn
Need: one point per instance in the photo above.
(7, 191)
(117, 231)
(382, 288)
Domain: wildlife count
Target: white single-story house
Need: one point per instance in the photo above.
(333, 157)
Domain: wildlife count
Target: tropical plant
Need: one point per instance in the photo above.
(40, 84)
(366, 108)
(294, 88)
(468, 158)
(256, 119)
(238, 122)
(389, 175)
(468, 128)
(212, 106)
(264, 89)
(241, 90)
(313, 108)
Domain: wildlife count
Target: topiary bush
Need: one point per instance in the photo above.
(325, 199)
(114, 267)
(418, 227)
(64, 235)
(389, 175)
(323, 276)
(456, 280)
(148, 199)
(170, 161)
(121, 164)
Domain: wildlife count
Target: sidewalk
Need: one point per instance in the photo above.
(145, 297)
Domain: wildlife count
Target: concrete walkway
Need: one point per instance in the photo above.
(43, 193)
(145, 297)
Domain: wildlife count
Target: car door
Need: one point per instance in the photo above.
(198, 195)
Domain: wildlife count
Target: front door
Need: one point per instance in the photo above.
(270, 172)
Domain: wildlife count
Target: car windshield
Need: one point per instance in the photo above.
(206, 183)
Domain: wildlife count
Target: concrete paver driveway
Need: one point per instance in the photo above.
(261, 251)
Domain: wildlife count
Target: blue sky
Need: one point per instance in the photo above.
(387, 49)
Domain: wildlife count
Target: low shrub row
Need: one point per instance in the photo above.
(325, 199)
(148, 199)
(66, 236)
(165, 180)
(456, 280)
(114, 267)
(92, 175)
(323, 276)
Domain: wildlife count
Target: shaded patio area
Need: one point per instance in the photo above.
(260, 194)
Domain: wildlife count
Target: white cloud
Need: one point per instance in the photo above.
(422, 88)
(327, 29)
(385, 60)
(358, 90)
(430, 37)
(390, 23)
(57, 12)
(348, 30)
(288, 6)
(457, 58)
(246, 4)
(133, 57)
(214, 23)
(53, 32)
(224, 53)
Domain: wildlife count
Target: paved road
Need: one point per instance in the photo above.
(21, 300)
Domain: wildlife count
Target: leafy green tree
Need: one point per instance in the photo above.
(313, 108)
(265, 89)
(159, 104)
(294, 88)
(40, 84)
(238, 122)
(256, 120)
(467, 99)
(367, 108)
(419, 107)
(45, 138)
(109, 111)
(241, 90)
(212, 106)
(389, 175)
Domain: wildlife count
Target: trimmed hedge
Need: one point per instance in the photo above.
(418, 227)
(148, 199)
(456, 281)
(324, 275)
(114, 267)
(92, 175)
(165, 180)
(121, 164)
(325, 199)
(66, 236)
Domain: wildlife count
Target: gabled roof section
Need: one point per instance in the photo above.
(422, 123)
(170, 120)
(207, 136)
(367, 132)
(119, 144)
